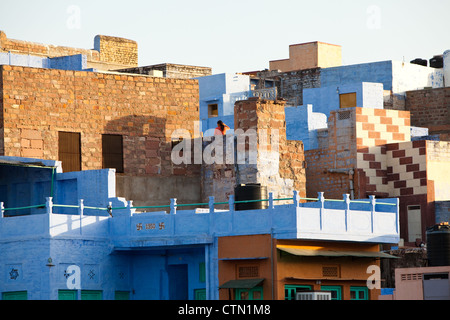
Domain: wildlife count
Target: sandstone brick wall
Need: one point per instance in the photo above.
(280, 169)
(430, 108)
(357, 139)
(309, 55)
(117, 50)
(170, 70)
(38, 103)
(328, 169)
(33, 48)
(108, 53)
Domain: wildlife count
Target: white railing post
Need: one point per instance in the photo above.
(347, 208)
(296, 199)
(49, 205)
(271, 200)
(173, 206)
(372, 210)
(211, 204)
(231, 203)
(81, 207)
(322, 207)
(81, 212)
(130, 207)
(2, 207)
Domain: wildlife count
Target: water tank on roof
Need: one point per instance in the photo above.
(438, 245)
(437, 62)
(421, 62)
(446, 61)
(251, 191)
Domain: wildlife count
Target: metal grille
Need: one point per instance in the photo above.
(411, 276)
(248, 272)
(330, 271)
(344, 115)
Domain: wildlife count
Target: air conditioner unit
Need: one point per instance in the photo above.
(313, 295)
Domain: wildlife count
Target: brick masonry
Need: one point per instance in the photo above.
(112, 51)
(280, 169)
(38, 103)
(430, 108)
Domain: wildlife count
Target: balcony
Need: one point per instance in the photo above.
(369, 220)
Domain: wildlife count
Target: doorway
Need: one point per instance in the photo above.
(178, 282)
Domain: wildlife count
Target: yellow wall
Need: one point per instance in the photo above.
(438, 168)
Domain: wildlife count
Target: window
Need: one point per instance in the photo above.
(414, 223)
(291, 290)
(249, 294)
(347, 100)
(91, 295)
(359, 293)
(250, 271)
(69, 151)
(213, 110)
(16, 295)
(67, 295)
(112, 152)
(202, 272)
(200, 294)
(122, 295)
(336, 291)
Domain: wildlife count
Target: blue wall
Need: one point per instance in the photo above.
(302, 124)
(221, 89)
(75, 62)
(379, 72)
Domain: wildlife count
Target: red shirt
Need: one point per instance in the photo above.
(219, 131)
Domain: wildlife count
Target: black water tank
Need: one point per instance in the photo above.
(419, 61)
(251, 191)
(437, 62)
(438, 245)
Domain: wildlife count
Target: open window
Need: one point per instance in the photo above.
(213, 110)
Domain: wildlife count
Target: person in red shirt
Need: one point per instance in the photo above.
(221, 128)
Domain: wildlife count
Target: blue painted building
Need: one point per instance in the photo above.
(56, 246)
(218, 94)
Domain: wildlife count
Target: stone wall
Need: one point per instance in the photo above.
(430, 108)
(117, 50)
(170, 70)
(109, 52)
(277, 164)
(329, 167)
(38, 103)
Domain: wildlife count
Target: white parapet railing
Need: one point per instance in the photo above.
(368, 220)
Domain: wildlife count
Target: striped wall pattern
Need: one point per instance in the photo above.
(406, 168)
(375, 128)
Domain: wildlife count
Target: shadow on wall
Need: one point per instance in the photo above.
(150, 177)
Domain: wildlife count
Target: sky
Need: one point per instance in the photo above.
(237, 36)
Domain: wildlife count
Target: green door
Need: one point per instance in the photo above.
(91, 295)
(67, 295)
(16, 295)
(336, 291)
(200, 294)
(122, 295)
